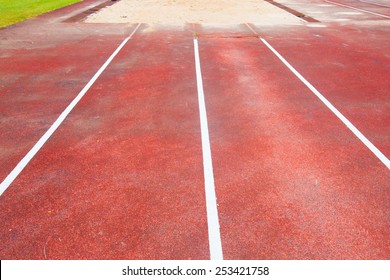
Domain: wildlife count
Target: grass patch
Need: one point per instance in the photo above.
(13, 11)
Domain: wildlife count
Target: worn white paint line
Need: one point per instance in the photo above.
(357, 9)
(35, 149)
(376, 4)
(355, 131)
(215, 243)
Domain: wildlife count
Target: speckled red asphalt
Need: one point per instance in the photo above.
(122, 177)
(291, 180)
(350, 70)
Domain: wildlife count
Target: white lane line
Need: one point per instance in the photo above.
(362, 10)
(373, 3)
(34, 150)
(215, 243)
(355, 131)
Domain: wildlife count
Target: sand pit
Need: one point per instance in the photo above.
(208, 12)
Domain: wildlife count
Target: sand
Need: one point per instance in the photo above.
(208, 12)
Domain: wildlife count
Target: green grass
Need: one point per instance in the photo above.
(13, 11)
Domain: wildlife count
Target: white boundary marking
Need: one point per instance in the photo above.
(362, 10)
(34, 150)
(373, 3)
(215, 243)
(355, 131)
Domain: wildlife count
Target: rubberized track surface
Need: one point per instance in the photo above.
(122, 177)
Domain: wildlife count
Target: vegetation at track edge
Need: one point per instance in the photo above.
(13, 11)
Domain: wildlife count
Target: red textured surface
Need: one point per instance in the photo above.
(292, 182)
(122, 178)
(43, 65)
(38, 84)
(363, 6)
(350, 71)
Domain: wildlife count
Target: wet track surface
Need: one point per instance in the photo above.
(123, 176)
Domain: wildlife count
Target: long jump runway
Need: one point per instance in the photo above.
(196, 143)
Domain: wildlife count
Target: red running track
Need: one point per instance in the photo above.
(351, 71)
(34, 92)
(292, 181)
(122, 177)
